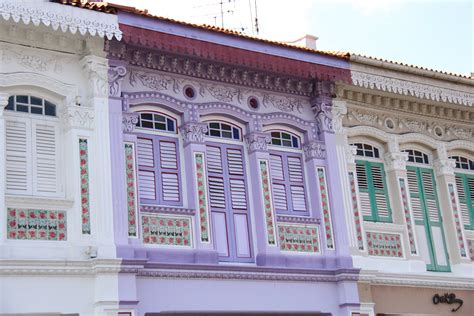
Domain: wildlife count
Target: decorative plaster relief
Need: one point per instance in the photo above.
(62, 17)
(384, 244)
(166, 230)
(457, 219)
(408, 217)
(193, 132)
(267, 202)
(116, 75)
(444, 166)
(324, 197)
(96, 70)
(154, 81)
(202, 197)
(130, 177)
(324, 116)
(78, 117)
(129, 121)
(298, 238)
(84, 172)
(34, 224)
(314, 150)
(410, 88)
(356, 212)
(395, 161)
(32, 61)
(285, 104)
(224, 93)
(257, 141)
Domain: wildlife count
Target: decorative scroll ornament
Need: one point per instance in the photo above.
(34, 62)
(395, 161)
(116, 75)
(225, 94)
(314, 150)
(156, 82)
(323, 114)
(129, 121)
(257, 141)
(444, 166)
(193, 132)
(281, 103)
(96, 70)
(78, 117)
(62, 17)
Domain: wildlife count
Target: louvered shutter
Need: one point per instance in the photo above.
(465, 189)
(415, 197)
(45, 166)
(146, 169)
(215, 177)
(429, 191)
(169, 171)
(278, 183)
(238, 194)
(18, 157)
(295, 171)
(380, 192)
(364, 195)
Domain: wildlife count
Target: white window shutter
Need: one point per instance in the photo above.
(45, 158)
(18, 156)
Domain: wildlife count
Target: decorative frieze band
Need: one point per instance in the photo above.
(299, 238)
(131, 189)
(85, 198)
(324, 197)
(167, 230)
(202, 197)
(384, 244)
(457, 220)
(34, 224)
(267, 202)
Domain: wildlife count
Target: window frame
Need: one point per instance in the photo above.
(233, 127)
(155, 130)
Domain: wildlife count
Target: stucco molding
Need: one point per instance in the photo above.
(116, 75)
(59, 267)
(129, 121)
(33, 202)
(395, 161)
(193, 132)
(74, 116)
(297, 219)
(410, 88)
(61, 17)
(444, 167)
(257, 141)
(167, 210)
(314, 150)
(428, 281)
(96, 70)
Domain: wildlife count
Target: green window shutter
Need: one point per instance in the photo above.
(465, 188)
(373, 194)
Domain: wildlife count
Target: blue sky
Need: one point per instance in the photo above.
(434, 34)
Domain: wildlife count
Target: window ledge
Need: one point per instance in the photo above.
(167, 210)
(297, 219)
(384, 227)
(46, 203)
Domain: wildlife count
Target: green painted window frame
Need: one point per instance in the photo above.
(467, 200)
(375, 217)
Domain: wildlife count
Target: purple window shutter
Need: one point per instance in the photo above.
(288, 187)
(158, 170)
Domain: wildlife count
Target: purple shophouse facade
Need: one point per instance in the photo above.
(225, 184)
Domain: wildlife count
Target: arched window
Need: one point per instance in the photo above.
(224, 130)
(32, 136)
(287, 174)
(156, 121)
(159, 180)
(417, 156)
(465, 188)
(373, 193)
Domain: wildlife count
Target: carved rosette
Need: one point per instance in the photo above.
(257, 141)
(395, 161)
(78, 117)
(116, 75)
(444, 167)
(129, 121)
(314, 150)
(193, 132)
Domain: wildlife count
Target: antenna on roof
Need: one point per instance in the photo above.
(256, 17)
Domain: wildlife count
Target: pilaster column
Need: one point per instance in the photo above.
(328, 115)
(193, 133)
(450, 207)
(3, 208)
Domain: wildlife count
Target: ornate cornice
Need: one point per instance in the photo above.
(62, 17)
(410, 88)
(429, 281)
(59, 267)
(314, 150)
(193, 132)
(129, 121)
(78, 117)
(257, 141)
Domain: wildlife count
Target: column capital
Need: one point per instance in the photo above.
(74, 116)
(314, 150)
(129, 121)
(329, 114)
(96, 69)
(3, 102)
(395, 161)
(444, 167)
(116, 75)
(193, 132)
(257, 141)
(351, 152)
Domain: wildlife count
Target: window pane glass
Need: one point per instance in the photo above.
(286, 143)
(49, 109)
(22, 108)
(215, 133)
(285, 136)
(360, 152)
(295, 142)
(147, 116)
(214, 125)
(10, 104)
(225, 127)
(22, 99)
(276, 134)
(170, 125)
(236, 133)
(276, 141)
(376, 152)
(159, 118)
(147, 124)
(36, 101)
(226, 134)
(471, 165)
(160, 126)
(36, 110)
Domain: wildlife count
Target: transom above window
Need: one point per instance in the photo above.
(30, 104)
(366, 150)
(285, 139)
(223, 130)
(156, 121)
(463, 163)
(417, 156)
